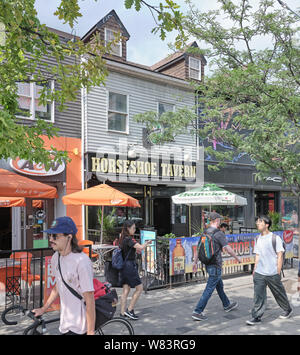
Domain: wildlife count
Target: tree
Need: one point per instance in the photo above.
(24, 42)
(259, 87)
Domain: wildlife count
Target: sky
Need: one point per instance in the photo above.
(143, 47)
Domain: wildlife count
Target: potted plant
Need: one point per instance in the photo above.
(109, 225)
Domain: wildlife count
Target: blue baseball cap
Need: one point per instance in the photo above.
(62, 225)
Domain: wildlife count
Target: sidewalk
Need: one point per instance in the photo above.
(168, 311)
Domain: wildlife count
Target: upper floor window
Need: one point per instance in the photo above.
(29, 107)
(118, 113)
(194, 68)
(164, 107)
(110, 35)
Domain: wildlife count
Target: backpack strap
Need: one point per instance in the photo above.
(274, 247)
(75, 293)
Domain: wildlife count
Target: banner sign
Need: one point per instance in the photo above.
(150, 252)
(183, 251)
(49, 285)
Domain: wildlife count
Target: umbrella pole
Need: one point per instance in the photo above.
(101, 235)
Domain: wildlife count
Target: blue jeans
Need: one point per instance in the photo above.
(214, 282)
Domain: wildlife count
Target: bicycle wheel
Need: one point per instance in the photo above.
(32, 330)
(116, 326)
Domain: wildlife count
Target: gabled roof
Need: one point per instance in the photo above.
(175, 57)
(102, 22)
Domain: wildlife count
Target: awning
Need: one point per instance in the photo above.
(14, 185)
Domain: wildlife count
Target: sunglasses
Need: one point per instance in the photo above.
(54, 236)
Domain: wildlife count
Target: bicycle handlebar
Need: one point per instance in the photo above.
(25, 311)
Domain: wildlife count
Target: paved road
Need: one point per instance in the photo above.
(168, 311)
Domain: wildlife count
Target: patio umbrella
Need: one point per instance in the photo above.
(15, 185)
(100, 195)
(208, 195)
(18, 202)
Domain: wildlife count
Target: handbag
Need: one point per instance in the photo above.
(105, 306)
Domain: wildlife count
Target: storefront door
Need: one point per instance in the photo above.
(162, 215)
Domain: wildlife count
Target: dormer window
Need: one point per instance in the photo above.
(110, 35)
(194, 68)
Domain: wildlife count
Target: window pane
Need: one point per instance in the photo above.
(117, 102)
(117, 122)
(43, 112)
(110, 36)
(162, 107)
(23, 89)
(195, 63)
(194, 74)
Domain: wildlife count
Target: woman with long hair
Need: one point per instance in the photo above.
(129, 274)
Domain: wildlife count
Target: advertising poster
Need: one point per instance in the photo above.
(49, 284)
(184, 250)
(182, 254)
(151, 250)
(243, 246)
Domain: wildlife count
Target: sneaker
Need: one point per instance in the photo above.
(286, 315)
(232, 306)
(199, 316)
(254, 321)
(131, 314)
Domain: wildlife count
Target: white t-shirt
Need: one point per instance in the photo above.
(267, 264)
(77, 272)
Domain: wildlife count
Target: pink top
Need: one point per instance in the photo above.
(77, 272)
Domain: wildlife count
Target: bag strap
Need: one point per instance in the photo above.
(75, 293)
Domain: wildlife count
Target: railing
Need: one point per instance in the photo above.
(22, 276)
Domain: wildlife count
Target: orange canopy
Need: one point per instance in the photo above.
(18, 202)
(100, 195)
(14, 185)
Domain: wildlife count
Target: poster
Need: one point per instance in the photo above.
(183, 251)
(150, 252)
(49, 284)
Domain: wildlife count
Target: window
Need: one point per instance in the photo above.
(118, 113)
(116, 49)
(195, 68)
(163, 107)
(29, 94)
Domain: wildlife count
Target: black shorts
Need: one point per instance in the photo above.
(130, 275)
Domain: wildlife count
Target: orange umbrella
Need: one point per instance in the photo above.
(14, 185)
(100, 195)
(18, 202)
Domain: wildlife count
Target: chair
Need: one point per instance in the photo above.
(10, 280)
(26, 275)
(87, 250)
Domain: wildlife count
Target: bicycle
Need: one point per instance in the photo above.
(114, 326)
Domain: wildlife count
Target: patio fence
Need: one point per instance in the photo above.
(26, 285)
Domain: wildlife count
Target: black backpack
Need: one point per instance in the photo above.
(207, 248)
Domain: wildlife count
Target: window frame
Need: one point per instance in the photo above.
(194, 69)
(119, 112)
(33, 110)
(106, 40)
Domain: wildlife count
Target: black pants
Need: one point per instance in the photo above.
(260, 293)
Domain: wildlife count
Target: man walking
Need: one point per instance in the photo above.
(267, 269)
(73, 266)
(214, 270)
